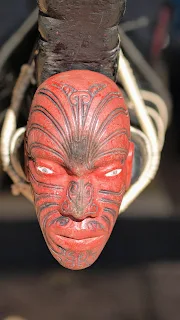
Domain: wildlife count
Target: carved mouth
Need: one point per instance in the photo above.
(80, 234)
(78, 241)
(78, 244)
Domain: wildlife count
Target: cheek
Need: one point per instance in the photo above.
(115, 183)
(110, 192)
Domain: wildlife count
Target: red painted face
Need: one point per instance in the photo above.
(79, 162)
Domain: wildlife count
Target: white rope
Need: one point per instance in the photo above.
(159, 103)
(8, 131)
(129, 83)
(16, 142)
(159, 125)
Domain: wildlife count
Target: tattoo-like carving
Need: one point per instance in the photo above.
(79, 199)
(75, 145)
(78, 143)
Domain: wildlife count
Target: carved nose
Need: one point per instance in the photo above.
(80, 194)
(80, 200)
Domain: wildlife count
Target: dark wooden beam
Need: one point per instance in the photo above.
(78, 34)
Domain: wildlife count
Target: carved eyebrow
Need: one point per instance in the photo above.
(53, 155)
(116, 152)
(121, 158)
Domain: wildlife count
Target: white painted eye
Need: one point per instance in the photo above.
(45, 170)
(113, 173)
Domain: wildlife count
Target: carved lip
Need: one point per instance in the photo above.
(79, 234)
(77, 244)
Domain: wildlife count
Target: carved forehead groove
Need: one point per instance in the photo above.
(51, 95)
(76, 141)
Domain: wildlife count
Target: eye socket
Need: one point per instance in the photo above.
(44, 170)
(113, 173)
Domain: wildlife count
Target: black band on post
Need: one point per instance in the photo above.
(78, 34)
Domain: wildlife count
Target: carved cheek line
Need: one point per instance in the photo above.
(44, 206)
(107, 220)
(43, 226)
(42, 196)
(47, 185)
(104, 200)
(46, 218)
(113, 202)
(114, 193)
(112, 212)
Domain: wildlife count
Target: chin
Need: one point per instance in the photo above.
(75, 254)
(82, 262)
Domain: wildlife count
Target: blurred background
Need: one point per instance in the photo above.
(137, 277)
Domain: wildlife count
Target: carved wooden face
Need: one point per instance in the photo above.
(79, 162)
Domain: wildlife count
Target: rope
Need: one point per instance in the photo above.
(127, 78)
(9, 128)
